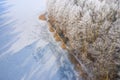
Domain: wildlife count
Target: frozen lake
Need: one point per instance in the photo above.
(27, 49)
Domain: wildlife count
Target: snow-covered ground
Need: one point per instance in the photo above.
(27, 49)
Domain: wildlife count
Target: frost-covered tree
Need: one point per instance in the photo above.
(91, 32)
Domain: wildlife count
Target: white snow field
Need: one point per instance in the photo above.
(27, 48)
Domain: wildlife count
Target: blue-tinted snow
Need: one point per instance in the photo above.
(27, 49)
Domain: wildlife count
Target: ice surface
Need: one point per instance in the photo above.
(27, 49)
